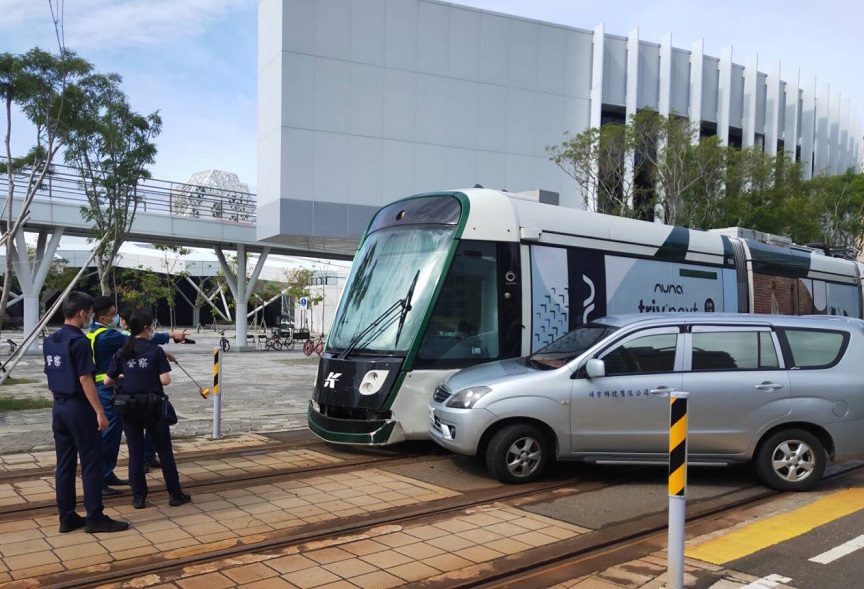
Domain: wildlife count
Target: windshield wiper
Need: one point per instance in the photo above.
(383, 321)
(407, 306)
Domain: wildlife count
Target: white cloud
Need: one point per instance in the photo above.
(102, 24)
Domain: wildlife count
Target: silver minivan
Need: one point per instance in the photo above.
(784, 392)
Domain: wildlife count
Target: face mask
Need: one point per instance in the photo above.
(115, 321)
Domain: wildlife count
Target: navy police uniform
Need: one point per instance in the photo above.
(141, 378)
(76, 431)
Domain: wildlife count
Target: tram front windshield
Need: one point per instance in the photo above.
(383, 271)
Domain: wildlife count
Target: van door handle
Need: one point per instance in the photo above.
(661, 391)
(768, 386)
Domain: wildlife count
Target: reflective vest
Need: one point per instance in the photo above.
(62, 380)
(92, 335)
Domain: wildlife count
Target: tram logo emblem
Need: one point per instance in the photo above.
(330, 381)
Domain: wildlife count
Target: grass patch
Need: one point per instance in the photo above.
(14, 404)
(13, 380)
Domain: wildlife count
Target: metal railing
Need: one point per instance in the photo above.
(65, 185)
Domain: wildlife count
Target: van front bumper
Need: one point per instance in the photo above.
(458, 430)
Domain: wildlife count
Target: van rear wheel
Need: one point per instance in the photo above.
(791, 460)
(517, 453)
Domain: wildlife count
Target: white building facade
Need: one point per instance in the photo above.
(362, 102)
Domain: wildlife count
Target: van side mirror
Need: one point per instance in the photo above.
(595, 368)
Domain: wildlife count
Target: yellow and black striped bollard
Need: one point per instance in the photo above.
(677, 486)
(217, 397)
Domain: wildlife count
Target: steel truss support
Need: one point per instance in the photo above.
(241, 286)
(32, 273)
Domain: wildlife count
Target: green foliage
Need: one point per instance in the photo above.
(298, 281)
(112, 146)
(142, 288)
(655, 161)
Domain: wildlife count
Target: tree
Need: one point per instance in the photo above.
(49, 90)
(112, 148)
(595, 160)
(140, 287)
(171, 256)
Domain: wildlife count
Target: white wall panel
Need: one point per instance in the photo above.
(298, 26)
(465, 37)
(433, 39)
(298, 164)
(578, 72)
(365, 170)
(549, 122)
(492, 117)
(761, 102)
(368, 30)
(521, 171)
(400, 104)
(494, 49)
(679, 100)
(492, 169)
(332, 162)
(332, 95)
(397, 173)
(649, 75)
(298, 70)
(552, 60)
(520, 120)
(430, 168)
(697, 73)
(333, 28)
(461, 167)
(710, 89)
(736, 110)
(367, 100)
(791, 128)
(808, 128)
(400, 47)
(614, 71)
(462, 108)
(523, 50)
(431, 109)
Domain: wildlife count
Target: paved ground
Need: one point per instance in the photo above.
(262, 391)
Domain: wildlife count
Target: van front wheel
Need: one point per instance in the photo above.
(517, 453)
(791, 460)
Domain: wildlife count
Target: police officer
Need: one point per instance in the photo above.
(105, 340)
(77, 419)
(141, 370)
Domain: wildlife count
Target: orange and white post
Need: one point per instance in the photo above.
(677, 486)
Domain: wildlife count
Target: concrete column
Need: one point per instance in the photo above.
(596, 106)
(772, 110)
(664, 102)
(631, 103)
(724, 100)
(808, 127)
(751, 89)
(820, 141)
(791, 132)
(697, 63)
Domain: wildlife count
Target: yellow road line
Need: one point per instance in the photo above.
(759, 535)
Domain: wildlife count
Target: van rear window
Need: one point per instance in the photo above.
(812, 348)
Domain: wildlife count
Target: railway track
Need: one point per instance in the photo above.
(366, 458)
(531, 492)
(538, 567)
(610, 546)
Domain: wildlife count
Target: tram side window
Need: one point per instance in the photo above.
(464, 325)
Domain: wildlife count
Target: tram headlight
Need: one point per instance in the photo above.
(466, 398)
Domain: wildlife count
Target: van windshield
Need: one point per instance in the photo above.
(570, 346)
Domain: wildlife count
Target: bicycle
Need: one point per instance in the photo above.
(316, 345)
(223, 342)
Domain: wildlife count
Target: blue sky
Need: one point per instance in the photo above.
(194, 60)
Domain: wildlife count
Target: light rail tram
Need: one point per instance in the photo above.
(446, 280)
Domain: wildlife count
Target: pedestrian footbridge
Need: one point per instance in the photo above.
(172, 213)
